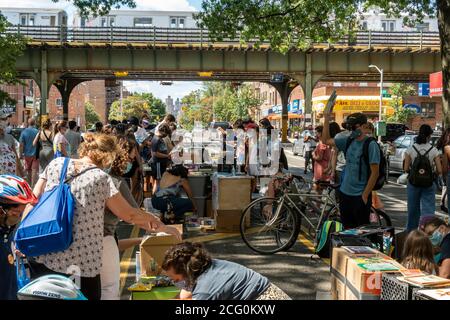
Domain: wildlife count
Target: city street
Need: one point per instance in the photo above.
(298, 272)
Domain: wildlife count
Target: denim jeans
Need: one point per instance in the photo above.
(180, 205)
(421, 202)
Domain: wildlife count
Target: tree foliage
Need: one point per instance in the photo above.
(398, 92)
(11, 46)
(91, 116)
(298, 23)
(218, 101)
(137, 105)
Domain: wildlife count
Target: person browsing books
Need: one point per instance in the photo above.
(439, 233)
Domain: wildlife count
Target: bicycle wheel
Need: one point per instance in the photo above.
(380, 218)
(263, 233)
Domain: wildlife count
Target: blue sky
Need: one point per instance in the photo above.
(178, 89)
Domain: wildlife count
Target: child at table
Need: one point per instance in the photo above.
(418, 253)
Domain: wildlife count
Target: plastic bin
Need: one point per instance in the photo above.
(394, 289)
(201, 205)
(198, 184)
(163, 293)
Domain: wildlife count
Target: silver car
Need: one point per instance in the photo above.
(398, 149)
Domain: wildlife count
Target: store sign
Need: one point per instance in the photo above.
(7, 109)
(436, 84)
(29, 102)
(359, 105)
(295, 105)
(424, 89)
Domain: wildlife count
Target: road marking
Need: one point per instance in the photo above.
(126, 261)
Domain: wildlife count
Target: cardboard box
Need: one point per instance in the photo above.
(153, 249)
(349, 281)
(229, 220)
(231, 192)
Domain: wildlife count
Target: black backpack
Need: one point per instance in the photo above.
(381, 180)
(421, 173)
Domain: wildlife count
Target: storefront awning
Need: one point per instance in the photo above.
(274, 116)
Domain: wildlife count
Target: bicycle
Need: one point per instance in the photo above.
(270, 225)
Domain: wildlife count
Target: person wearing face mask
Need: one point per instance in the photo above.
(439, 233)
(357, 184)
(93, 191)
(421, 193)
(160, 154)
(61, 146)
(110, 272)
(15, 194)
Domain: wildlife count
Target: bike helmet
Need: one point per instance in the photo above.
(15, 190)
(51, 287)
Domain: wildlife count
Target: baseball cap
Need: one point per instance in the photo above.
(356, 118)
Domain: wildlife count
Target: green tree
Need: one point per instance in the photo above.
(11, 46)
(99, 7)
(91, 116)
(398, 92)
(137, 105)
(298, 23)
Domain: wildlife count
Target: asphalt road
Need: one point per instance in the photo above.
(296, 272)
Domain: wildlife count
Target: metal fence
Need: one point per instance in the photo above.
(154, 36)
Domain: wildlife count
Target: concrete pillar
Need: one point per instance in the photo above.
(44, 87)
(308, 88)
(65, 88)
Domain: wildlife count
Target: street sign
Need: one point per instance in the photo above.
(424, 89)
(381, 128)
(386, 93)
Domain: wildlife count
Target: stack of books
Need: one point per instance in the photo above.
(425, 280)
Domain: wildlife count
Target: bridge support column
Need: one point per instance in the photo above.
(44, 86)
(308, 90)
(65, 88)
(285, 89)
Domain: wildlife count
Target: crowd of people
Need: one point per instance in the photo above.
(108, 162)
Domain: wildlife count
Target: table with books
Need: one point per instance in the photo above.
(412, 285)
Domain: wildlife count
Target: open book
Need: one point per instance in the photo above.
(426, 281)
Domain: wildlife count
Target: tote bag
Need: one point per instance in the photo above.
(48, 226)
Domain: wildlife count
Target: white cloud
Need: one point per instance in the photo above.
(178, 89)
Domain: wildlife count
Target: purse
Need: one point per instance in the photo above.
(38, 146)
(48, 226)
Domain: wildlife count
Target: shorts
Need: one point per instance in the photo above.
(31, 163)
(158, 169)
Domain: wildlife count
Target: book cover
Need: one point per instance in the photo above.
(359, 250)
(428, 280)
(437, 294)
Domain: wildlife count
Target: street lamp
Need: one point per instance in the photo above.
(381, 96)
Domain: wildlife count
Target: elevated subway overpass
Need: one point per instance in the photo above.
(68, 56)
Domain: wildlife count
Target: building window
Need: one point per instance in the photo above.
(143, 22)
(32, 21)
(112, 21)
(388, 25)
(364, 25)
(428, 109)
(59, 102)
(425, 27)
(23, 19)
(103, 22)
(177, 22)
(83, 22)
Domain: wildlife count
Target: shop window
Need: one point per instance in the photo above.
(59, 102)
(428, 109)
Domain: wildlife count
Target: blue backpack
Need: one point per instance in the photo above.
(48, 226)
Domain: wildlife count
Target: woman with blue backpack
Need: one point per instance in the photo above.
(15, 194)
(422, 164)
(92, 190)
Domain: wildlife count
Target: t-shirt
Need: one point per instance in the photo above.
(340, 165)
(423, 148)
(354, 183)
(158, 145)
(225, 280)
(74, 140)
(60, 139)
(310, 145)
(90, 191)
(26, 138)
(111, 220)
(445, 249)
(8, 284)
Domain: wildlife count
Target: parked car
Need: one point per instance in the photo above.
(222, 124)
(398, 149)
(299, 145)
(393, 131)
